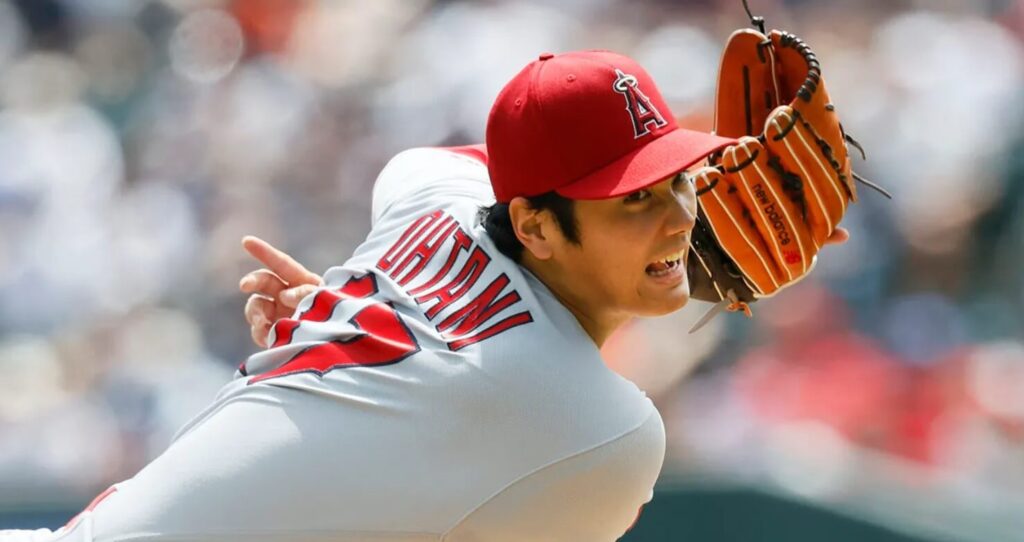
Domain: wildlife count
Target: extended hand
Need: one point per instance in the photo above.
(274, 291)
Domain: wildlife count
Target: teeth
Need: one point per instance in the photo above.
(672, 257)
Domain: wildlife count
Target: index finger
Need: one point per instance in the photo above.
(838, 237)
(280, 263)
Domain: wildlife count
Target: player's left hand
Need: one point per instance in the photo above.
(274, 291)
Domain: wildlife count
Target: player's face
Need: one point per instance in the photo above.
(631, 256)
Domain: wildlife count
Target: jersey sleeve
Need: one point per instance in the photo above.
(422, 175)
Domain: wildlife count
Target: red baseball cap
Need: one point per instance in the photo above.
(588, 125)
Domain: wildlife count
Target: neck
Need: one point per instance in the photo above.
(597, 322)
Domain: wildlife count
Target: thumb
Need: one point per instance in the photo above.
(292, 296)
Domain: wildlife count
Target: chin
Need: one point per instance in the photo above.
(666, 302)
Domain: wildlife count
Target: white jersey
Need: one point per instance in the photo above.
(432, 390)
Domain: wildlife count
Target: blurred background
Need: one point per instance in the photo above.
(139, 140)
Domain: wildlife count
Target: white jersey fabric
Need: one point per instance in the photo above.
(432, 390)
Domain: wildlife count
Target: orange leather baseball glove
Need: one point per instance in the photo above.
(768, 203)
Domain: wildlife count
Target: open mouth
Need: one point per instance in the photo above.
(667, 265)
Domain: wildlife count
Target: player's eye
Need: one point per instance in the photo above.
(638, 196)
(681, 178)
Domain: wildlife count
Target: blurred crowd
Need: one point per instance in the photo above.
(139, 140)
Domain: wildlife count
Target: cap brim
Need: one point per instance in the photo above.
(665, 156)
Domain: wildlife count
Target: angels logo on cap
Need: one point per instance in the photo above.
(641, 111)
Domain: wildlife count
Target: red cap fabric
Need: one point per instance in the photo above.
(588, 125)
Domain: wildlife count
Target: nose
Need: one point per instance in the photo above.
(682, 212)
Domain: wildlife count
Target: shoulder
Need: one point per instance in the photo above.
(442, 170)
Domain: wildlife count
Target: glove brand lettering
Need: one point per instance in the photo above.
(640, 108)
(762, 198)
(768, 207)
(778, 224)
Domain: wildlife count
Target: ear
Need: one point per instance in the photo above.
(533, 228)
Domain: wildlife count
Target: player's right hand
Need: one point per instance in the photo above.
(274, 291)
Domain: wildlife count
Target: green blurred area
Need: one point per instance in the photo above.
(692, 513)
(736, 514)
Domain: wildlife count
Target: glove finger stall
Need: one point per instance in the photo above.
(747, 88)
(820, 189)
(728, 218)
(711, 273)
(767, 198)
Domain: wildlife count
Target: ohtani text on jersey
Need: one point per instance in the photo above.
(471, 320)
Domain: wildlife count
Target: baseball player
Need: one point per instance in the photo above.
(445, 383)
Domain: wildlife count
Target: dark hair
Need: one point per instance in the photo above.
(498, 223)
